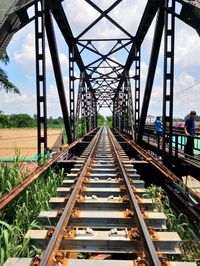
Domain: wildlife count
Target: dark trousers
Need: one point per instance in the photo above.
(189, 146)
(158, 136)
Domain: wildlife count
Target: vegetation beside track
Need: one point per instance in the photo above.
(20, 216)
(10, 176)
(190, 245)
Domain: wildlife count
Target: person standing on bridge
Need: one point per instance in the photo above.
(159, 130)
(189, 130)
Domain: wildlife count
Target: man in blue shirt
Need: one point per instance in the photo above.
(158, 129)
(189, 130)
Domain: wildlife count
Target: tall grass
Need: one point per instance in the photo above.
(190, 244)
(10, 175)
(20, 216)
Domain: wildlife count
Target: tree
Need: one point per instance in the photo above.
(4, 82)
(197, 118)
(22, 120)
(100, 120)
(109, 121)
(4, 121)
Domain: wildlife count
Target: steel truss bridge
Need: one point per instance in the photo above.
(103, 81)
(99, 170)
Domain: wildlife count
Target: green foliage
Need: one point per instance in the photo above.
(20, 216)
(109, 121)
(100, 120)
(25, 120)
(190, 245)
(22, 120)
(197, 118)
(5, 84)
(4, 121)
(178, 119)
(10, 176)
(55, 122)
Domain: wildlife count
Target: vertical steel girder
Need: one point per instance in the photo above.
(123, 117)
(57, 73)
(126, 122)
(123, 108)
(40, 78)
(84, 111)
(168, 83)
(151, 72)
(71, 91)
(116, 111)
(78, 103)
(88, 113)
(137, 91)
(131, 121)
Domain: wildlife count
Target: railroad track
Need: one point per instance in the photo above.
(100, 210)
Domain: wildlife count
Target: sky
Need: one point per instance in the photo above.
(21, 69)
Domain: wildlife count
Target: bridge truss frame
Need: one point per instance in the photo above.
(112, 86)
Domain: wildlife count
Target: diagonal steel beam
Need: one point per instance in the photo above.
(147, 18)
(151, 72)
(63, 24)
(105, 14)
(58, 74)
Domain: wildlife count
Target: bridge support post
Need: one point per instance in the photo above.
(40, 78)
(78, 104)
(168, 83)
(129, 107)
(137, 92)
(71, 91)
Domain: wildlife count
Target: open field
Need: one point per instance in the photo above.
(25, 139)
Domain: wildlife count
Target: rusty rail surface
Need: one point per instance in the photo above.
(164, 170)
(139, 220)
(9, 196)
(56, 239)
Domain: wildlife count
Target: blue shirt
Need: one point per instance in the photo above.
(158, 126)
(190, 126)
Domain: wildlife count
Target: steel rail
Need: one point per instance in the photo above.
(163, 169)
(56, 239)
(8, 197)
(151, 254)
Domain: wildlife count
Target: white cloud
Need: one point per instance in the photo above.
(186, 96)
(81, 14)
(26, 102)
(128, 14)
(13, 103)
(25, 55)
(187, 47)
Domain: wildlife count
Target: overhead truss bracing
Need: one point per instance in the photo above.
(105, 78)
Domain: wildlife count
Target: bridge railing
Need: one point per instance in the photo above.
(179, 140)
